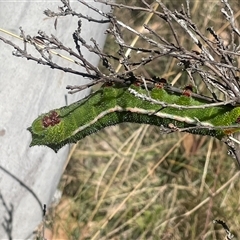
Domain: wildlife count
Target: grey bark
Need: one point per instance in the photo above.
(29, 176)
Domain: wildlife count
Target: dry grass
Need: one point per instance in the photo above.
(131, 182)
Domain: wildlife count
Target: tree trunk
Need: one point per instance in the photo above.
(29, 176)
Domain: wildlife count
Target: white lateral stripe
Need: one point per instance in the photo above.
(174, 105)
(98, 117)
(168, 116)
(143, 112)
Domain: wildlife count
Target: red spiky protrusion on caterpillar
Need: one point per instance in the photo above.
(51, 119)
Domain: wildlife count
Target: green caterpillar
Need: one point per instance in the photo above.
(115, 104)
